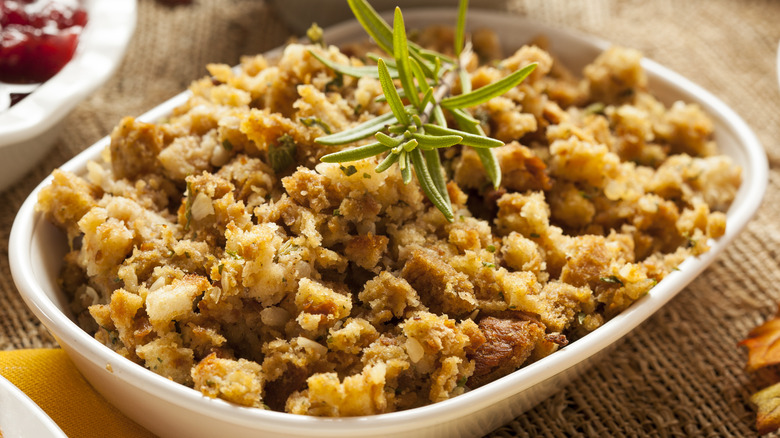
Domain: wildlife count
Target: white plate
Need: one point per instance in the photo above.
(28, 129)
(21, 417)
(170, 409)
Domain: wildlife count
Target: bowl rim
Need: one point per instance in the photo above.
(102, 44)
(24, 410)
(752, 190)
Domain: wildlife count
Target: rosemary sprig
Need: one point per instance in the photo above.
(411, 134)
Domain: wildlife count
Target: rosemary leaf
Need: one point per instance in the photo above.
(355, 154)
(397, 129)
(428, 186)
(463, 118)
(422, 80)
(389, 160)
(349, 70)
(465, 81)
(386, 140)
(431, 56)
(393, 99)
(483, 94)
(358, 132)
(436, 141)
(438, 116)
(409, 145)
(401, 54)
(428, 98)
(376, 27)
(375, 57)
(437, 176)
(383, 99)
(468, 139)
(492, 168)
(460, 30)
(486, 156)
(415, 55)
(406, 169)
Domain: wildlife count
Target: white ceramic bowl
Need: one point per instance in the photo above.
(21, 417)
(299, 15)
(169, 409)
(29, 128)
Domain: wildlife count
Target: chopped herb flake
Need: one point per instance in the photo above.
(188, 206)
(336, 83)
(348, 170)
(282, 155)
(311, 121)
(233, 254)
(595, 108)
(612, 279)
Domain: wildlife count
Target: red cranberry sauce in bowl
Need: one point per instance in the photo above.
(38, 37)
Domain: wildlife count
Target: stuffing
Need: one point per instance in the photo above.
(215, 248)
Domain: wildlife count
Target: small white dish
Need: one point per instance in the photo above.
(21, 417)
(29, 128)
(170, 410)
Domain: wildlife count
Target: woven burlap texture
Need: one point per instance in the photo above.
(680, 373)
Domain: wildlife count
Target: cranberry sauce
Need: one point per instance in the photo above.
(38, 37)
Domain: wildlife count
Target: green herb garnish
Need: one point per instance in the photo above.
(348, 170)
(315, 33)
(311, 121)
(188, 206)
(282, 154)
(612, 279)
(411, 134)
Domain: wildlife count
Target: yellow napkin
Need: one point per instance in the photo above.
(51, 380)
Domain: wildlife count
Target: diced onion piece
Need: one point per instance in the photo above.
(414, 349)
(201, 207)
(311, 345)
(274, 316)
(160, 282)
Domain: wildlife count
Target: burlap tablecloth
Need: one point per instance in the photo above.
(679, 374)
